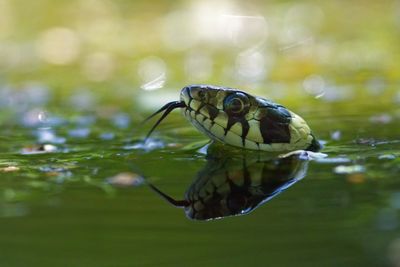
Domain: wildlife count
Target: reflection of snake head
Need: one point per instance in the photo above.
(234, 186)
(239, 119)
(236, 118)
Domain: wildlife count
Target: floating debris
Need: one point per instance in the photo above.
(9, 169)
(125, 179)
(39, 149)
(343, 169)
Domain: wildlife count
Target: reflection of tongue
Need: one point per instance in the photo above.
(176, 203)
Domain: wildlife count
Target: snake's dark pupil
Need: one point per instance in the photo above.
(236, 105)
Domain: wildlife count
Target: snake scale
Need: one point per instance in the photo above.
(236, 118)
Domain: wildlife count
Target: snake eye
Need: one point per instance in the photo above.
(236, 104)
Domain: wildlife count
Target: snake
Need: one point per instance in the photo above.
(237, 118)
(231, 185)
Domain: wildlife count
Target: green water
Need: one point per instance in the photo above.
(59, 209)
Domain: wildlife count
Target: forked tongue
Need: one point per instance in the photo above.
(168, 108)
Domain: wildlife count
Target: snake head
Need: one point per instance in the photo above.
(239, 119)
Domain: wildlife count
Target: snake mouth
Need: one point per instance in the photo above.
(168, 108)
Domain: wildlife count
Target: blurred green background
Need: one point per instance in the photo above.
(135, 46)
(77, 77)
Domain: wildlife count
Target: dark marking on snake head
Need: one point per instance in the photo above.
(274, 125)
(245, 130)
(212, 111)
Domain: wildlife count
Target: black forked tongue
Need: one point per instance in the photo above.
(176, 203)
(168, 108)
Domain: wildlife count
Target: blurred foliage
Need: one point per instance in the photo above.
(121, 46)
